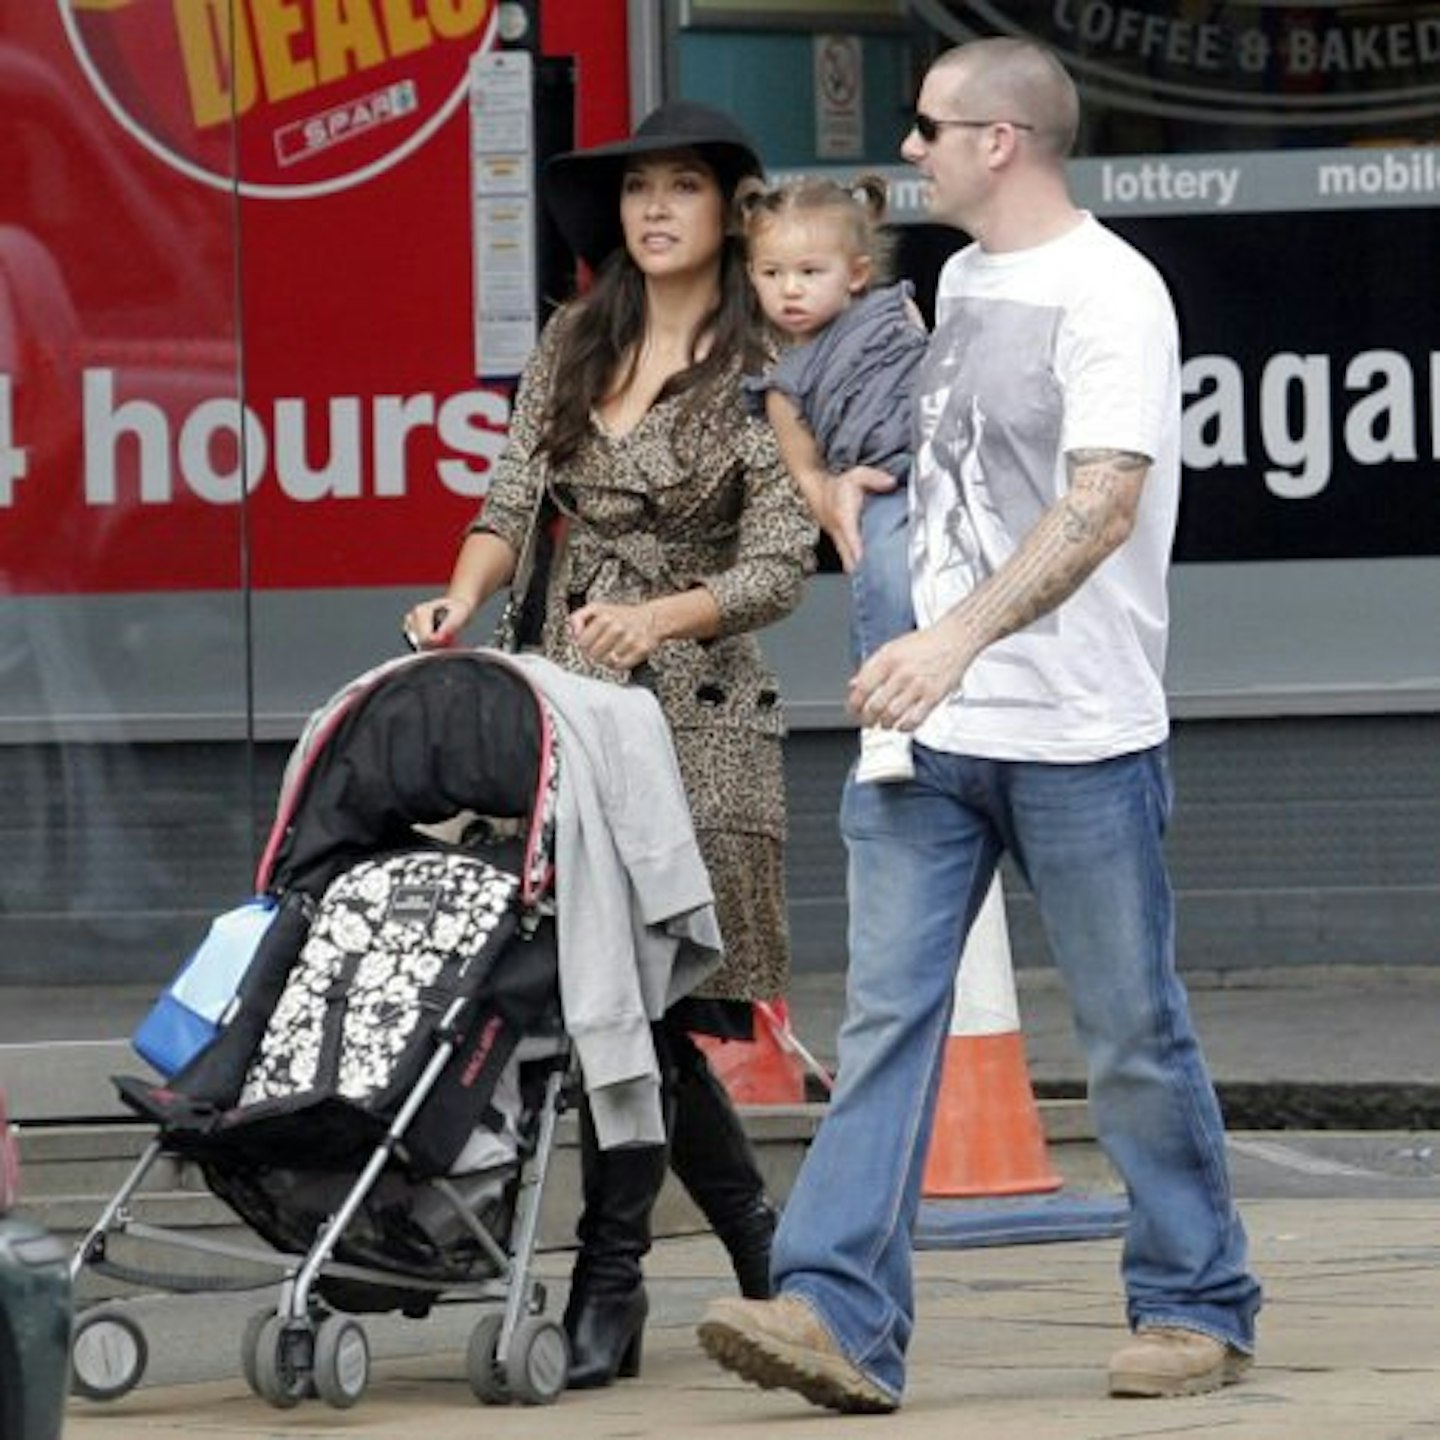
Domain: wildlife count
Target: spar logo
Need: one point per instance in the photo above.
(280, 98)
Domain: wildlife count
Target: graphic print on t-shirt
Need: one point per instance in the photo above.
(989, 414)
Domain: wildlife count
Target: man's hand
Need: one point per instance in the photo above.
(837, 504)
(834, 500)
(903, 681)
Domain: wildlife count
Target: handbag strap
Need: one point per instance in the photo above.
(540, 514)
(523, 617)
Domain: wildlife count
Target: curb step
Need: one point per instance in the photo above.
(71, 1172)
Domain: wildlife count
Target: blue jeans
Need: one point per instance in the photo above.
(881, 607)
(1088, 839)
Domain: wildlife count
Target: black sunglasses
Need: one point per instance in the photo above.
(928, 128)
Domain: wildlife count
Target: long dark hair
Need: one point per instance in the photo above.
(603, 333)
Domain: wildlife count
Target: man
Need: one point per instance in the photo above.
(1044, 497)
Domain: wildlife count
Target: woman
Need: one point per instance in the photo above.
(682, 535)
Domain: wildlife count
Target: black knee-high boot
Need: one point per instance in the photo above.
(713, 1157)
(605, 1314)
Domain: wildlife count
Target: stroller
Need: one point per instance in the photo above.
(383, 1118)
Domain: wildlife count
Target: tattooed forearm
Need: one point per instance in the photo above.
(1089, 521)
(1127, 462)
(1099, 506)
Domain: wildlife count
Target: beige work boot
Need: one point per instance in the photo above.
(1161, 1362)
(781, 1344)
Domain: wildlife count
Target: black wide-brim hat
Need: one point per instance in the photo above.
(581, 188)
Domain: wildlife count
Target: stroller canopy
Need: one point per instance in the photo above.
(416, 741)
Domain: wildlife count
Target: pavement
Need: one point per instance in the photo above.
(1012, 1339)
(1011, 1344)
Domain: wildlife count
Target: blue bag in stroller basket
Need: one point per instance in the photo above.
(193, 1007)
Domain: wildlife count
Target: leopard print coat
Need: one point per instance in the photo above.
(685, 499)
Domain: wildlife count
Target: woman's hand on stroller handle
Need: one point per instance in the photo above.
(434, 624)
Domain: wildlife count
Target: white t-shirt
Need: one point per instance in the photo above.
(1069, 345)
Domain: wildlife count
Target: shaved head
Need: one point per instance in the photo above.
(1006, 79)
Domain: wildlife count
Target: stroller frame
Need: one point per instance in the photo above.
(301, 1347)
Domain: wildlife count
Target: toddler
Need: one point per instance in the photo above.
(839, 394)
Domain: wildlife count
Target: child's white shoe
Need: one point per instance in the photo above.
(884, 757)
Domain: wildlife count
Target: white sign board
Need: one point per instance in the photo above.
(839, 97)
(502, 166)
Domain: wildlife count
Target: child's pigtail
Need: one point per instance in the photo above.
(871, 192)
(752, 195)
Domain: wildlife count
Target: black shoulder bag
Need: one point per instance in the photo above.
(523, 618)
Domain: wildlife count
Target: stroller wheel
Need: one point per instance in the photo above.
(480, 1367)
(342, 1361)
(282, 1363)
(250, 1347)
(108, 1355)
(537, 1366)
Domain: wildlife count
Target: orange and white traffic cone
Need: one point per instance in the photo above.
(768, 1070)
(988, 1138)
